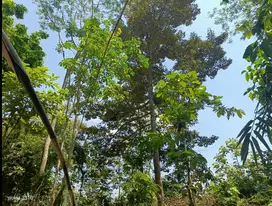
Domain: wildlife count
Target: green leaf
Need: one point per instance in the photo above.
(244, 150)
(244, 137)
(256, 143)
(251, 52)
(254, 152)
(246, 128)
(247, 76)
(260, 137)
(188, 153)
(239, 114)
(248, 51)
(267, 47)
(248, 34)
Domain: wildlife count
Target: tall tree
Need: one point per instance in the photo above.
(160, 40)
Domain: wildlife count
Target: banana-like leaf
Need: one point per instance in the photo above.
(256, 143)
(245, 128)
(244, 150)
(244, 134)
(254, 152)
(260, 137)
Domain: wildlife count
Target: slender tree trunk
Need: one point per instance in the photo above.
(48, 140)
(70, 152)
(189, 178)
(66, 125)
(4, 136)
(74, 134)
(189, 185)
(156, 156)
(56, 179)
(46, 150)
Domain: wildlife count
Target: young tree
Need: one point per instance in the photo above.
(182, 96)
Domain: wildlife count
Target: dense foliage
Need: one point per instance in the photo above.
(143, 150)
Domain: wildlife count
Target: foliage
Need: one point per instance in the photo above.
(129, 90)
(206, 57)
(22, 130)
(182, 96)
(27, 46)
(70, 16)
(237, 184)
(130, 114)
(140, 190)
(234, 16)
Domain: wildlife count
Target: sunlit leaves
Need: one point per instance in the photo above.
(248, 178)
(140, 189)
(27, 46)
(184, 95)
(10, 8)
(15, 99)
(97, 76)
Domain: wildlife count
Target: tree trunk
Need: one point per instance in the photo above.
(46, 150)
(4, 136)
(48, 140)
(156, 155)
(189, 185)
(70, 152)
(56, 179)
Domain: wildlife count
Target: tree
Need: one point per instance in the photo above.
(160, 40)
(115, 72)
(160, 19)
(182, 97)
(17, 66)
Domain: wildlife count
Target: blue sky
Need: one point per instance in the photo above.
(228, 83)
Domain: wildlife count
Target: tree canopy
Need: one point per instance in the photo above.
(145, 148)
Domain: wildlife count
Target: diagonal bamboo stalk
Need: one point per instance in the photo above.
(17, 66)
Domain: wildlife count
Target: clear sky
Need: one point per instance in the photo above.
(228, 83)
